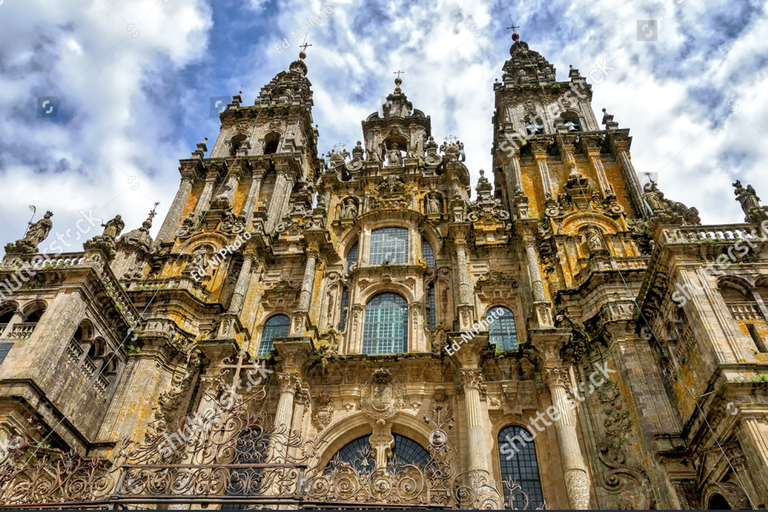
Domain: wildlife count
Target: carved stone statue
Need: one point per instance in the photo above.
(114, 227)
(750, 203)
(350, 210)
(594, 240)
(36, 233)
(199, 259)
(654, 198)
(433, 204)
(394, 157)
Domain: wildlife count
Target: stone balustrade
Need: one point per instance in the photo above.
(699, 234)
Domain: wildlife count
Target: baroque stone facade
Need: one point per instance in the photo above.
(360, 283)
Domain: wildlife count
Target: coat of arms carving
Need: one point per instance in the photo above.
(380, 398)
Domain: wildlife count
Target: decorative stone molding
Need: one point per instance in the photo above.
(380, 398)
(322, 410)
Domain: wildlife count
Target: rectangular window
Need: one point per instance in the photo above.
(756, 338)
(343, 316)
(389, 245)
(4, 349)
(431, 302)
(427, 253)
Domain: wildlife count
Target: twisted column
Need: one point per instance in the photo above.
(574, 468)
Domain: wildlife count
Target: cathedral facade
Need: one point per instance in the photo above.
(363, 330)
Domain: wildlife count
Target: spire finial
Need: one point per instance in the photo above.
(398, 80)
(302, 53)
(513, 28)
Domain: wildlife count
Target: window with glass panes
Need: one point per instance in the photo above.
(386, 325)
(389, 245)
(502, 330)
(343, 315)
(4, 349)
(521, 468)
(352, 256)
(427, 254)
(276, 327)
(431, 303)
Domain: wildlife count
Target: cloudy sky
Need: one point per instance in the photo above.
(128, 86)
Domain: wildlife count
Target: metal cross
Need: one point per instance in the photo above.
(451, 139)
(513, 27)
(304, 46)
(229, 364)
(339, 147)
(398, 73)
(153, 212)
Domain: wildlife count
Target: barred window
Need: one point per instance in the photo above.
(431, 305)
(352, 256)
(517, 455)
(502, 328)
(427, 253)
(408, 451)
(386, 325)
(358, 453)
(389, 245)
(276, 327)
(343, 315)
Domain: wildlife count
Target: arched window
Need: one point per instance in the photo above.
(276, 327)
(718, 502)
(571, 121)
(386, 325)
(271, 142)
(5, 318)
(427, 253)
(358, 453)
(501, 326)
(343, 315)
(517, 456)
(352, 256)
(389, 245)
(408, 451)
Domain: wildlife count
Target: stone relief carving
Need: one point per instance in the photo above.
(380, 398)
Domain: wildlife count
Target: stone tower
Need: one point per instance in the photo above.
(363, 330)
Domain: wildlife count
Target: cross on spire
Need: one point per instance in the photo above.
(513, 27)
(398, 73)
(451, 139)
(339, 147)
(304, 46)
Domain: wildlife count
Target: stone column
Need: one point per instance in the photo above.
(540, 154)
(532, 261)
(241, 288)
(465, 295)
(253, 196)
(308, 283)
(574, 467)
(753, 437)
(289, 383)
(477, 451)
(205, 198)
(630, 178)
(172, 219)
(276, 202)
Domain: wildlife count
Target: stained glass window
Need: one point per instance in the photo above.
(389, 245)
(276, 327)
(517, 455)
(502, 328)
(386, 325)
(356, 453)
(427, 254)
(408, 451)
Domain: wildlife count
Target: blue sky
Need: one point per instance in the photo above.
(134, 81)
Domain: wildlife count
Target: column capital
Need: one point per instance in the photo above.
(289, 382)
(529, 242)
(557, 376)
(471, 379)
